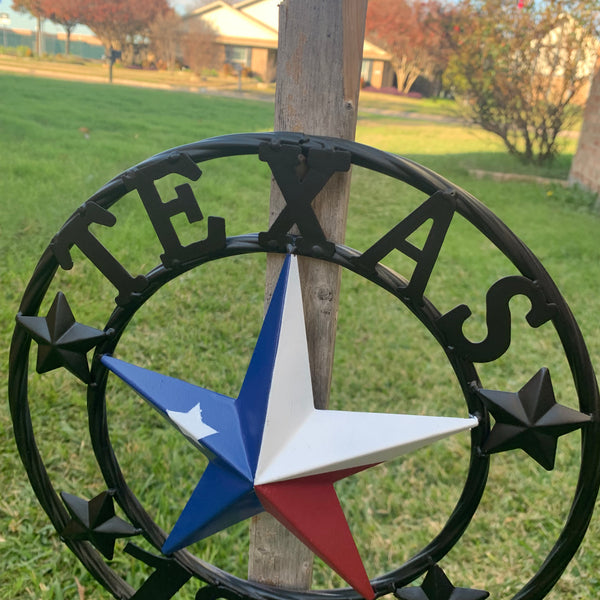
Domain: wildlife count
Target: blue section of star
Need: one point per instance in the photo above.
(225, 493)
(222, 498)
(253, 399)
(218, 412)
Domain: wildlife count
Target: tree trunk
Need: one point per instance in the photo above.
(318, 80)
(410, 79)
(38, 37)
(584, 169)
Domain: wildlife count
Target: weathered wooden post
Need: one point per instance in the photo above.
(318, 79)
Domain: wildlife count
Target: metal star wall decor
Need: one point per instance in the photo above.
(62, 342)
(437, 586)
(268, 448)
(95, 521)
(530, 419)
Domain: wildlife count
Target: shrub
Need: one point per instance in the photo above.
(198, 43)
(24, 51)
(516, 71)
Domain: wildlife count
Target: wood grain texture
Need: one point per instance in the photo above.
(318, 74)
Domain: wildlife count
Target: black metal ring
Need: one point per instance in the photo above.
(399, 168)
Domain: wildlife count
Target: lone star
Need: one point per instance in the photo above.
(272, 450)
(190, 423)
(530, 419)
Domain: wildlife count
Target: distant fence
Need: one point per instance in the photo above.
(50, 44)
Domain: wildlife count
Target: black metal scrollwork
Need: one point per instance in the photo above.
(216, 592)
(168, 577)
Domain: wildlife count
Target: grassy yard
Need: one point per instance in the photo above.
(86, 70)
(61, 141)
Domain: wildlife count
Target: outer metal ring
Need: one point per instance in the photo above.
(227, 585)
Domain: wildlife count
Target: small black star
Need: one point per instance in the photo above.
(62, 342)
(95, 521)
(530, 419)
(436, 586)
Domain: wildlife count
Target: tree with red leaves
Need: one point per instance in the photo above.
(67, 13)
(410, 30)
(34, 8)
(122, 23)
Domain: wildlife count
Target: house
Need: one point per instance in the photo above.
(248, 31)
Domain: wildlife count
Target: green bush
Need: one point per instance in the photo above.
(209, 73)
(574, 196)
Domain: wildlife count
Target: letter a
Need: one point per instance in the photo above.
(440, 209)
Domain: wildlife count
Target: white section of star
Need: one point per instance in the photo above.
(299, 440)
(190, 423)
(359, 439)
(291, 397)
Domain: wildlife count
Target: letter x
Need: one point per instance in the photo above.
(300, 178)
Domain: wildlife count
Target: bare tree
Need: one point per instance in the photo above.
(165, 33)
(199, 46)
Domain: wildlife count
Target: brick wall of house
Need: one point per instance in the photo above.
(585, 169)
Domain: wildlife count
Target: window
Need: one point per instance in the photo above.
(366, 70)
(238, 56)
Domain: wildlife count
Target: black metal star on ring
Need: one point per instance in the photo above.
(437, 586)
(96, 522)
(530, 419)
(62, 342)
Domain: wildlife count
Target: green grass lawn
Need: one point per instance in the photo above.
(403, 104)
(76, 68)
(60, 142)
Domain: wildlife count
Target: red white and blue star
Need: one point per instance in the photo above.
(271, 450)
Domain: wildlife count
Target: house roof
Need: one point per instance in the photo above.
(235, 27)
(266, 11)
(255, 23)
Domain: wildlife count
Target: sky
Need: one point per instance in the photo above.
(25, 21)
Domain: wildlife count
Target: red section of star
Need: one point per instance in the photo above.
(310, 509)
